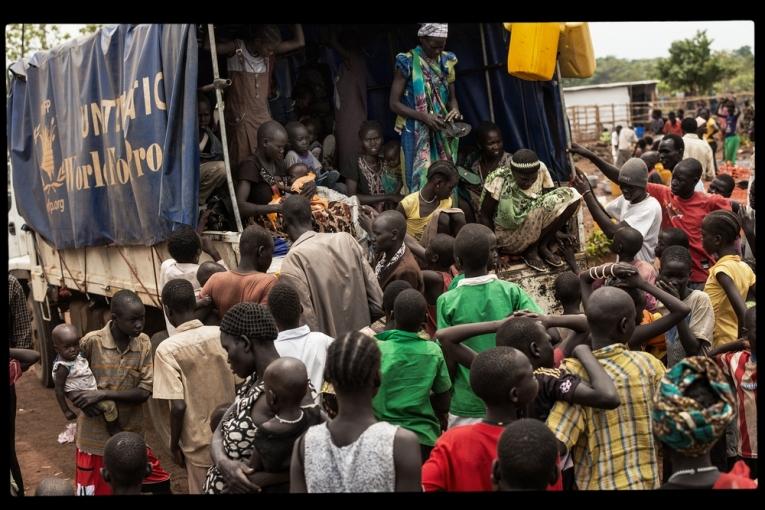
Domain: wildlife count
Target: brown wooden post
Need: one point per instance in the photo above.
(598, 124)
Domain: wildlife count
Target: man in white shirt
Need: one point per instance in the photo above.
(294, 340)
(615, 142)
(627, 141)
(697, 148)
(634, 208)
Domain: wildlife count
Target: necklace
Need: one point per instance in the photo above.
(383, 264)
(692, 472)
(425, 200)
(289, 422)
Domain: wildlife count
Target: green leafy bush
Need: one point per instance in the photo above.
(597, 245)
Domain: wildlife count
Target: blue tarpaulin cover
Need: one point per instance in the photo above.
(99, 150)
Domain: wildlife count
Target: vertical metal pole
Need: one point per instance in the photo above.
(579, 215)
(565, 119)
(221, 108)
(486, 72)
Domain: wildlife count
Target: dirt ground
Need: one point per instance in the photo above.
(39, 421)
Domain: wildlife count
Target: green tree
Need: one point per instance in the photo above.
(690, 67)
(90, 29)
(739, 76)
(22, 40)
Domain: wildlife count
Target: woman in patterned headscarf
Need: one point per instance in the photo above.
(693, 406)
(423, 97)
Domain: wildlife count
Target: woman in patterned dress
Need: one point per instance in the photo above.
(247, 334)
(525, 209)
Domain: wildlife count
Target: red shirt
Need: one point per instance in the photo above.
(462, 458)
(687, 215)
(670, 129)
(557, 357)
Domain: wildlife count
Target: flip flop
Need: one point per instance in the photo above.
(561, 263)
(538, 268)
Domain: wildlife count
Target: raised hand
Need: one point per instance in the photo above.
(580, 183)
(578, 149)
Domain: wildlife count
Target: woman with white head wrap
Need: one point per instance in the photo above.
(423, 97)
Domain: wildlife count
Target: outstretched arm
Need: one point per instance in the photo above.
(601, 217)
(608, 169)
(26, 357)
(601, 391)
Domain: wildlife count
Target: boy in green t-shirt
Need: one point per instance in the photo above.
(479, 297)
(411, 368)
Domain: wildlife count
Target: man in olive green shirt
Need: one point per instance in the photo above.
(478, 297)
(412, 367)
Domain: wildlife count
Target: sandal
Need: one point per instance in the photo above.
(547, 255)
(537, 266)
(559, 263)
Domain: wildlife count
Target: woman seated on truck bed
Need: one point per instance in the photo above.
(262, 181)
(524, 208)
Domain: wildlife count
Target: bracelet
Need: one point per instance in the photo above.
(590, 273)
(588, 191)
(612, 271)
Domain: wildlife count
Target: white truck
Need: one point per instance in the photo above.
(74, 284)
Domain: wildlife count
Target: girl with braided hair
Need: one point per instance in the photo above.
(354, 452)
(247, 334)
(525, 209)
(730, 279)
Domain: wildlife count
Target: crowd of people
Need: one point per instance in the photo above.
(387, 354)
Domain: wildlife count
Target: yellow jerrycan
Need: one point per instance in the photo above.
(533, 50)
(577, 58)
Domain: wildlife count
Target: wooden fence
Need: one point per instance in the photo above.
(588, 121)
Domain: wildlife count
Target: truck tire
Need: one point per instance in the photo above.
(42, 340)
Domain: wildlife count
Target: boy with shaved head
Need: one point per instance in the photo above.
(613, 449)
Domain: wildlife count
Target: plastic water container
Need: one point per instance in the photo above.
(639, 131)
(577, 58)
(533, 50)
